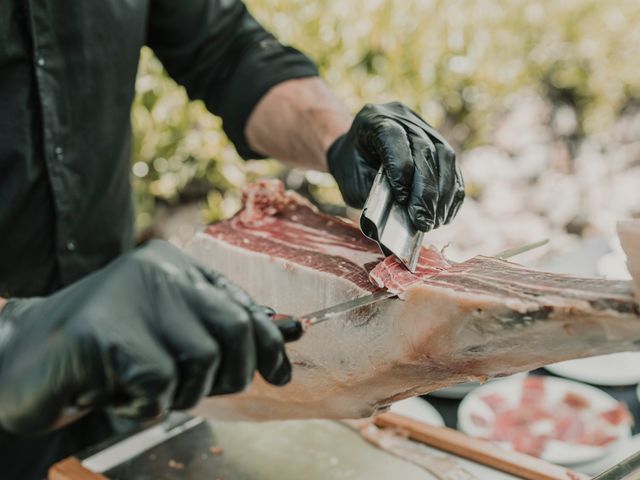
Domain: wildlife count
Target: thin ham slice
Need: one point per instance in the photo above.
(569, 427)
(532, 391)
(496, 402)
(618, 415)
(392, 275)
(575, 400)
(472, 320)
(530, 444)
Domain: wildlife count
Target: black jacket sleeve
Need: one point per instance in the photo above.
(222, 56)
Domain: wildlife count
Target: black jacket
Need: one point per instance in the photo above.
(67, 73)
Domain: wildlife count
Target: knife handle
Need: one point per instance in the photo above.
(290, 328)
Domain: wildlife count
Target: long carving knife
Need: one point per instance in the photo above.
(293, 327)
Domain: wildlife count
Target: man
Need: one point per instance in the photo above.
(87, 321)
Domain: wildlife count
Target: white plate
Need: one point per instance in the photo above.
(418, 409)
(459, 391)
(611, 370)
(555, 389)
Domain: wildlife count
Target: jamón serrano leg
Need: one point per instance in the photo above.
(473, 320)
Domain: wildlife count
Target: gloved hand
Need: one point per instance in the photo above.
(418, 161)
(153, 330)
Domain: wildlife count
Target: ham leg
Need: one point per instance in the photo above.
(454, 323)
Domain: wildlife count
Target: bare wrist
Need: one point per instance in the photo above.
(296, 122)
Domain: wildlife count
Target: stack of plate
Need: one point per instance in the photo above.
(613, 370)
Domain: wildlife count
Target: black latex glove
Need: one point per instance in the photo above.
(418, 161)
(153, 330)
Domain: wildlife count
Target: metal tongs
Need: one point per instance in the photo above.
(388, 224)
(627, 469)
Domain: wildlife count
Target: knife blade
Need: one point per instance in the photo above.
(293, 327)
(512, 252)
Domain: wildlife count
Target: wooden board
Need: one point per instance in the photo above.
(71, 469)
(480, 451)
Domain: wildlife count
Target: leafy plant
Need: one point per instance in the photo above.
(460, 63)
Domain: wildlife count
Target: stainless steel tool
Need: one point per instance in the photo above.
(387, 223)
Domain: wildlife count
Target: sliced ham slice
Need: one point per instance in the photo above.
(532, 391)
(457, 322)
(618, 415)
(392, 275)
(575, 400)
(496, 402)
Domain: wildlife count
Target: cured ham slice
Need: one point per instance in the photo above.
(473, 320)
(392, 275)
(576, 401)
(532, 391)
(618, 415)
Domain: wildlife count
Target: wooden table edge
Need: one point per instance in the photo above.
(71, 469)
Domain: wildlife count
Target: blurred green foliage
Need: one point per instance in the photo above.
(457, 62)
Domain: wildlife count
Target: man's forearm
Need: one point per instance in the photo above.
(2, 303)
(296, 122)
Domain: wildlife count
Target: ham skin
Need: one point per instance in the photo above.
(473, 320)
(629, 234)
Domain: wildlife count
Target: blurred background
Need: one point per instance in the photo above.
(541, 100)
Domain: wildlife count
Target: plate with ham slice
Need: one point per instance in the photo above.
(558, 420)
